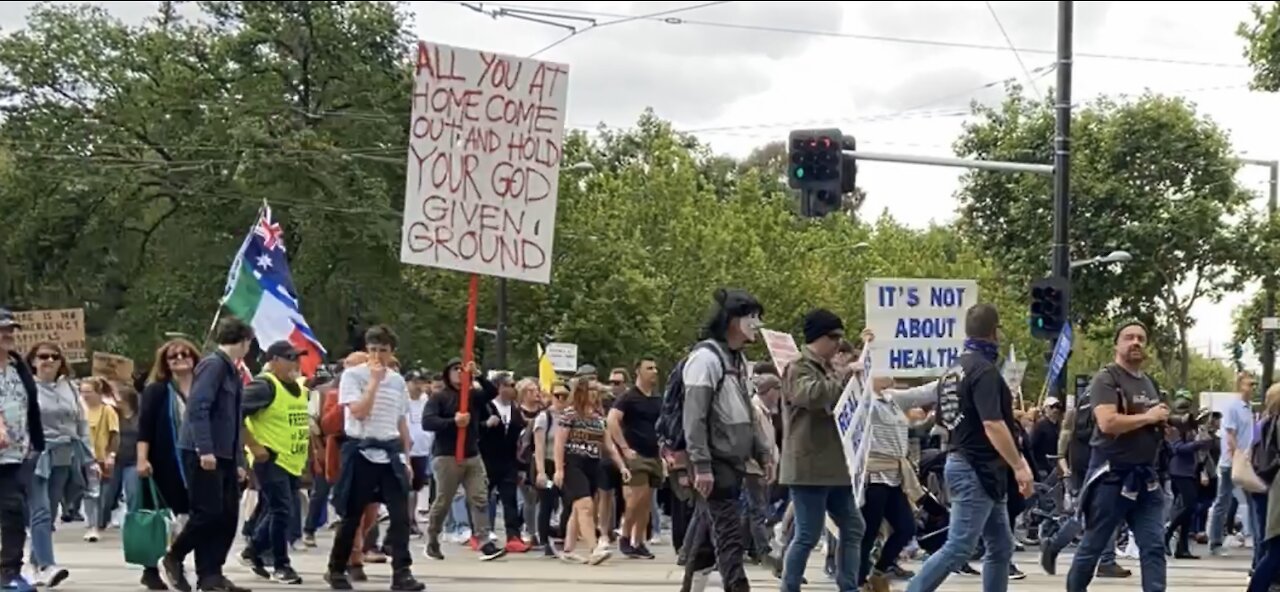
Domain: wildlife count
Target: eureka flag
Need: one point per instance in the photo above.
(260, 291)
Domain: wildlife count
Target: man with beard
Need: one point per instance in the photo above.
(1122, 483)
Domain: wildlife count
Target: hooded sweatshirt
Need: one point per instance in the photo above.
(438, 415)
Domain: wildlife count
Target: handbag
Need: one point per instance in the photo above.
(1242, 474)
(145, 533)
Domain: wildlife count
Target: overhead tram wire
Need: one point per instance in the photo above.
(669, 20)
(1018, 56)
(626, 19)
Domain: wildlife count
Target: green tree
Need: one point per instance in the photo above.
(1149, 176)
(1262, 37)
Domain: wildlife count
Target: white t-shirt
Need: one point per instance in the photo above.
(422, 439)
(390, 405)
(504, 410)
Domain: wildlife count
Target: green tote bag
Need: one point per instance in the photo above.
(145, 534)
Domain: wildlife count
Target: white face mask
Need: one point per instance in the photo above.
(750, 326)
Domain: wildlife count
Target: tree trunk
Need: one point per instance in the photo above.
(1184, 354)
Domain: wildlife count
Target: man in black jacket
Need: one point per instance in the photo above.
(21, 437)
(212, 459)
(442, 416)
(499, 438)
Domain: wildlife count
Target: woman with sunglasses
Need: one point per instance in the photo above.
(67, 455)
(545, 427)
(161, 408)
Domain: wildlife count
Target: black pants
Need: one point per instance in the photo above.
(885, 503)
(717, 540)
(373, 483)
(1185, 497)
(14, 479)
(504, 483)
(215, 510)
(548, 499)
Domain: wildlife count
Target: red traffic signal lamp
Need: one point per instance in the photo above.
(1050, 301)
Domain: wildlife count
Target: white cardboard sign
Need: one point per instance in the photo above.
(918, 324)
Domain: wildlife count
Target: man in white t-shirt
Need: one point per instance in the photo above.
(375, 467)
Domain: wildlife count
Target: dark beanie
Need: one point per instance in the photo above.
(1125, 325)
(820, 323)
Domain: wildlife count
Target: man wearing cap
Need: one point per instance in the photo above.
(1122, 483)
(721, 436)
(21, 436)
(818, 486)
(277, 430)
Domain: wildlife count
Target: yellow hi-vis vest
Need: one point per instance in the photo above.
(283, 426)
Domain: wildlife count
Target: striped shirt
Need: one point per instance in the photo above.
(890, 437)
(390, 405)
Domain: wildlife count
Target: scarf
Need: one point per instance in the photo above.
(984, 348)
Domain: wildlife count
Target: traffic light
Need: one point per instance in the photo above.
(1050, 298)
(817, 169)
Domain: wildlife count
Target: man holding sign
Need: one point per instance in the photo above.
(976, 406)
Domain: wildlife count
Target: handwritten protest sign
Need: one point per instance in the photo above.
(64, 327)
(918, 323)
(113, 367)
(782, 348)
(563, 356)
(485, 145)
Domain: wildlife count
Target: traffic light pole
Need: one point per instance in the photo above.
(1062, 167)
(1269, 282)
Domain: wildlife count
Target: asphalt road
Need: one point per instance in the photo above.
(99, 567)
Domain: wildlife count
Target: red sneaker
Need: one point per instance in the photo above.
(516, 545)
(475, 544)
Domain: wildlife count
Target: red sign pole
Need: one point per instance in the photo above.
(468, 356)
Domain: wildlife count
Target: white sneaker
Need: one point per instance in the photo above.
(656, 540)
(92, 536)
(50, 577)
(600, 555)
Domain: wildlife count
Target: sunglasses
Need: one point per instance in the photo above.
(48, 357)
(560, 394)
(181, 355)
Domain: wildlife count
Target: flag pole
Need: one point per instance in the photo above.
(468, 356)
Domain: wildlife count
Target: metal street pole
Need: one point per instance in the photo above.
(1062, 162)
(1269, 281)
(501, 354)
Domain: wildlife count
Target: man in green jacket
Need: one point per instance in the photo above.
(819, 485)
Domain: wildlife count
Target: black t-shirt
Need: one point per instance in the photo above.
(970, 393)
(640, 420)
(1140, 446)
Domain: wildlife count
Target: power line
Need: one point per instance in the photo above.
(626, 19)
(1009, 40)
(880, 38)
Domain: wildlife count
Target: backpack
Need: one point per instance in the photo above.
(671, 417)
(1265, 452)
(525, 447)
(1082, 430)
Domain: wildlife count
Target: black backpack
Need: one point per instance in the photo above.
(671, 418)
(1265, 452)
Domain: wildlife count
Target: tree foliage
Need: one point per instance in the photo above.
(1149, 176)
(1262, 45)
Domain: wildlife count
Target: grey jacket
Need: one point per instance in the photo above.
(719, 423)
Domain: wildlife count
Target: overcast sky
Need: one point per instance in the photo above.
(741, 74)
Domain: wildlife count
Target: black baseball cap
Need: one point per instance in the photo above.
(284, 350)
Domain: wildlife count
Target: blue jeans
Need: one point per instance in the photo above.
(1108, 510)
(974, 514)
(812, 505)
(45, 495)
(318, 513)
(1222, 505)
(277, 490)
(123, 480)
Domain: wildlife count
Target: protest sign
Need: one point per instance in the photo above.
(64, 327)
(782, 348)
(918, 324)
(485, 145)
(563, 356)
(113, 367)
(853, 422)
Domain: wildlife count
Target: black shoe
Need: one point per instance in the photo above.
(643, 552)
(1112, 570)
(626, 549)
(286, 575)
(151, 579)
(1049, 558)
(337, 581)
(490, 551)
(1015, 573)
(220, 584)
(967, 570)
(175, 574)
(549, 550)
(403, 581)
(255, 565)
(356, 573)
(433, 551)
(895, 572)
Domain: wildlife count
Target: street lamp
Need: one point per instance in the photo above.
(500, 334)
(1112, 257)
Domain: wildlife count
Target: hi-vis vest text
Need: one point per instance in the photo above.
(283, 427)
